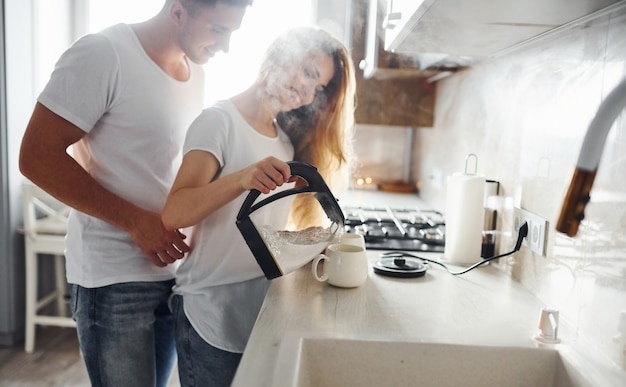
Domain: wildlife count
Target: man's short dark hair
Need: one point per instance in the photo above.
(192, 5)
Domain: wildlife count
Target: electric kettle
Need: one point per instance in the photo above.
(279, 252)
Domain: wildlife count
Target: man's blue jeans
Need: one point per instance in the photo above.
(199, 363)
(126, 333)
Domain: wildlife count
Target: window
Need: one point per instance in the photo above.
(226, 74)
(103, 13)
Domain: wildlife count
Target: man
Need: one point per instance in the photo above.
(122, 99)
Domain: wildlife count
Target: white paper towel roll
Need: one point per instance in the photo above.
(464, 218)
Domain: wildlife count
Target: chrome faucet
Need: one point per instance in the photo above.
(577, 197)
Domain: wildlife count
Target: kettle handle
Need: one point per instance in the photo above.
(298, 168)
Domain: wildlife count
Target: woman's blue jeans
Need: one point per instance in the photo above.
(126, 333)
(199, 363)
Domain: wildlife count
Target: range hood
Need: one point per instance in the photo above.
(447, 34)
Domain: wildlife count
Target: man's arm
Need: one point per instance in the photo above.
(44, 160)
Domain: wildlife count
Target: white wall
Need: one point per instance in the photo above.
(525, 115)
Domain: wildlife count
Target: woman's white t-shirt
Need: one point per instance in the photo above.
(221, 283)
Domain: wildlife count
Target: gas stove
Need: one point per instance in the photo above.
(386, 228)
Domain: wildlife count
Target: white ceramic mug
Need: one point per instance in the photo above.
(351, 239)
(344, 265)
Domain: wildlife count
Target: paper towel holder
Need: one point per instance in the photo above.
(467, 159)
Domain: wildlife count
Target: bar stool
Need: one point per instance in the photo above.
(45, 226)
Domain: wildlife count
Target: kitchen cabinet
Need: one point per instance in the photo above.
(393, 93)
(395, 102)
(462, 32)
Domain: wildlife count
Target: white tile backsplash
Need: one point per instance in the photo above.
(525, 115)
(381, 152)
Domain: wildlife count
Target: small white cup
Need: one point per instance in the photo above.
(352, 239)
(344, 265)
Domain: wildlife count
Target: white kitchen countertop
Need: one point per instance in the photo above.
(483, 306)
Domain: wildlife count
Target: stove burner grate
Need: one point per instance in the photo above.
(386, 228)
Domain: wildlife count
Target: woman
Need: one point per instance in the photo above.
(299, 108)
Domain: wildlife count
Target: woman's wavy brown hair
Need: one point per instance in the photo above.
(322, 132)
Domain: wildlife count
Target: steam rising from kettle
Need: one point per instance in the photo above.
(577, 197)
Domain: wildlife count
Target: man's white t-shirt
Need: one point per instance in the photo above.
(222, 285)
(136, 117)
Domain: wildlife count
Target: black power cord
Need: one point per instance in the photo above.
(521, 234)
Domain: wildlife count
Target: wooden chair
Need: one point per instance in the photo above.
(45, 226)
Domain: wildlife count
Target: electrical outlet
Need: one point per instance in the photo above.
(537, 230)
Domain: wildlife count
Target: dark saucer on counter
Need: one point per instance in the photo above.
(400, 267)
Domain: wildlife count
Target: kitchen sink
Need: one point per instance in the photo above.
(324, 360)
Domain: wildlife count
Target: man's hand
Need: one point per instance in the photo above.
(163, 247)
